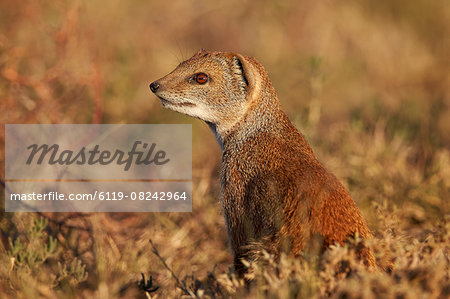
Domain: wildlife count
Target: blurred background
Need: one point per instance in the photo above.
(367, 82)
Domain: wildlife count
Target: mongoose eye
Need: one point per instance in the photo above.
(201, 78)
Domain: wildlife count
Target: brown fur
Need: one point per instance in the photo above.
(276, 195)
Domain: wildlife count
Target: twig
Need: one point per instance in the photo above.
(179, 284)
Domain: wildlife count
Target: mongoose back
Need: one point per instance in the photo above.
(275, 194)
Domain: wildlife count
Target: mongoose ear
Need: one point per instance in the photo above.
(240, 71)
(249, 73)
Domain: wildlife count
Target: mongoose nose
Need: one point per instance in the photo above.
(154, 86)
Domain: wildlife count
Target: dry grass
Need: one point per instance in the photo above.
(368, 84)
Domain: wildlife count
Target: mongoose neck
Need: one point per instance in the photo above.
(219, 139)
(267, 117)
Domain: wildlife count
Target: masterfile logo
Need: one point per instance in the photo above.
(106, 168)
(53, 155)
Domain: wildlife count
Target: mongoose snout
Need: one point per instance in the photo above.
(275, 194)
(154, 86)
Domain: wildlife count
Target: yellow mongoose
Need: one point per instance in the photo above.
(276, 195)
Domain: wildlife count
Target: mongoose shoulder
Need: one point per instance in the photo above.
(275, 194)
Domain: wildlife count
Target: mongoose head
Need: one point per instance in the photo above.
(217, 87)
